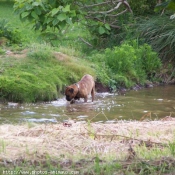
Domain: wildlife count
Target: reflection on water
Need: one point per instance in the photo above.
(153, 103)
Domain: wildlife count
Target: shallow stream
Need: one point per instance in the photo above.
(152, 104)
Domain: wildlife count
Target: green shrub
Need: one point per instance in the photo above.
(131, 63)
(126, 65)
(11, 33)
(142, 7)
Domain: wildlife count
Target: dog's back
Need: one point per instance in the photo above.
(81, 89)
(87, 86)
(89, 81)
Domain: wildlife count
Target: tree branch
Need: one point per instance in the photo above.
(85, 42)
(127, 6)
(106, 11)
(118, 13)
(102, 3)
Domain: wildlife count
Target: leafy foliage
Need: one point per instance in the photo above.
(142, 7)
(47, 13)
(168, 4)
(100, 17)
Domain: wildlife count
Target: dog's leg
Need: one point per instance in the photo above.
(72, 101)
(85, 99)
(93, 93)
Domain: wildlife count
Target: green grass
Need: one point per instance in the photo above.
(6, 12)
(38, 75)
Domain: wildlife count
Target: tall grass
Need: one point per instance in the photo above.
(159, 32)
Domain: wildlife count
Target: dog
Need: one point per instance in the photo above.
(81, 89)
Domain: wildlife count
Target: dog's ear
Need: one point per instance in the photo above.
(71, 90)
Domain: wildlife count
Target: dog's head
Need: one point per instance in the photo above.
(71, 92)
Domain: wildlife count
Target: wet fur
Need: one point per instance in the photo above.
(81, 89)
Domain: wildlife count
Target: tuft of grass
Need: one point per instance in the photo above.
(172, 148)
(40, 52)
(2, 146)
(30, 124)
(2, 51)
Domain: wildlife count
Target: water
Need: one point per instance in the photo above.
(153, 103)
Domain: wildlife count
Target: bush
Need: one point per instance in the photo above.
(142, 7)
(131, 63)
(12, 34)
(127, 65)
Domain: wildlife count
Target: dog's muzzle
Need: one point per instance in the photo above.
(68, 98)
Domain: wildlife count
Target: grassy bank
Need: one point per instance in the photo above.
(38, 74)
(124, 147)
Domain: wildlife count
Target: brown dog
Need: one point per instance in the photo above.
(81, 89)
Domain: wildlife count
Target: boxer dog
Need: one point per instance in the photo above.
(81, 89)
